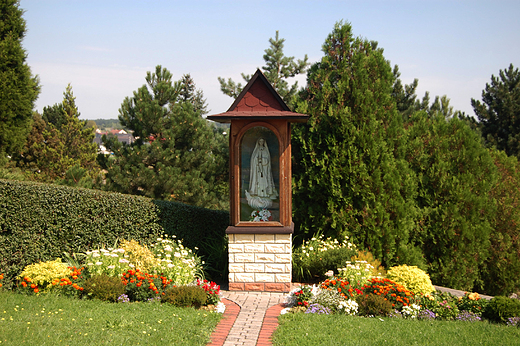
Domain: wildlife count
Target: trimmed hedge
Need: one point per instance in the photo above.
(39, 222)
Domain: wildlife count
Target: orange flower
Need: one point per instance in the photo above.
(24, 284)
(36, 290)
(33, 286)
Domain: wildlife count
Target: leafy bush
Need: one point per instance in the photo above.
(373, 305)
(317, 256)
(53, 276)
(139, 255)
(473, 303)
(39, 222)
(104, 287)
(366, 256)
(412, 278)
(500, 309)
(396, 294)
(185, 296)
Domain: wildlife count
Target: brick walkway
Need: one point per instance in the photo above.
(250, 318)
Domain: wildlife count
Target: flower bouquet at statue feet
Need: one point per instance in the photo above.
(260, 215)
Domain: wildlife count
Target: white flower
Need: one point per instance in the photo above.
(123, 260)
(99, 263)
(95, 255)
(284, 311)
(111, 267)
(220, 308)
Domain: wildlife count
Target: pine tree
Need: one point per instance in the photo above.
(350, 176)
(177, 155)
(18, 88)
(55, 147)
(499, 111)
(278, 68)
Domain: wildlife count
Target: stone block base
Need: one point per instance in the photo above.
(260, 286)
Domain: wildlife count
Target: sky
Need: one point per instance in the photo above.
(104, 48)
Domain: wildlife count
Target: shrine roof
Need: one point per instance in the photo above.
(258, 100)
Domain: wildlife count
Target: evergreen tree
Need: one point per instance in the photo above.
(18, 88)
(350, 176)
(499, 274)
(499, 111)
(455, 174)
(55, 147)
(278, 68)
(177, 155)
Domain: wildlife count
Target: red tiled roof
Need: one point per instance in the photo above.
(258, 99)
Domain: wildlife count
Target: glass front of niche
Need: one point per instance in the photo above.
(259, 176)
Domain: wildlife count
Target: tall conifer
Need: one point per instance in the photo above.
(18, 88)
(350, 176)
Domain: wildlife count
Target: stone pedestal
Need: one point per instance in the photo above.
(260, 262)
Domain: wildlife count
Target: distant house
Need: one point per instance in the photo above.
(122, 136)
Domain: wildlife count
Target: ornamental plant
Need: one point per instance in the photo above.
(357, 273)
(318, 255)
(329, 299)
(472, 302)
(318, 309)
(44, 277)
(412, 278)
(139, 255)
(376, 267)
(1, 278)
(174, 261)
(212, 291)
(111, 262)
(342, 287)
(442, 304)
(348, 307)
(143, 286)
(391, 291)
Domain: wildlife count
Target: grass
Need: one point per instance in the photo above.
(311, 329)
(55, 320)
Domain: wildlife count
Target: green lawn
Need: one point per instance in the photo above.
(311, 329)
(53, 320)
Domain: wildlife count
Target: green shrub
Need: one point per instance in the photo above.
(39, 222)
(185, 296)
(373, 305)
(500, 308)
(104, 287)
(412, 278)
(317, 256)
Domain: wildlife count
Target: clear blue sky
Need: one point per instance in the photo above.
(104, 48)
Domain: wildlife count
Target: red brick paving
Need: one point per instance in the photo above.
(269, 325)
(218, 337)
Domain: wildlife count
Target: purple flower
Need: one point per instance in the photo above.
(468, 316)
(513, 321)
(317, 309)
(426, 315)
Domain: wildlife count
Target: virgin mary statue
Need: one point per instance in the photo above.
(261, 182)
